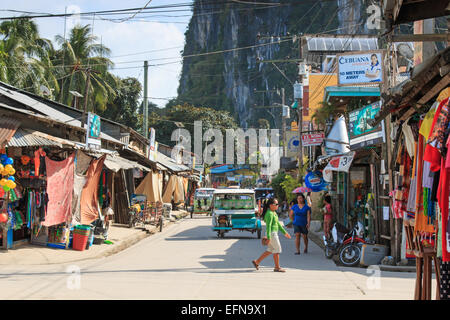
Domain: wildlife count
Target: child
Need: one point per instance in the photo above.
(327, 215)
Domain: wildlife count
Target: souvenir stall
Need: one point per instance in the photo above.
(32, 217)
(421, 192)
(12, 219)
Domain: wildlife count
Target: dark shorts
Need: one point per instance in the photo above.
(300, 229)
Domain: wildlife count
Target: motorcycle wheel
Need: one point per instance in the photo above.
(259, 233)
(328, 252)
(350, 255)
(131, 222)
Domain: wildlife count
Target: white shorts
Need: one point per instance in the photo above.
(274, 244)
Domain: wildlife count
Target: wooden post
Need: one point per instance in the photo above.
(394, 236)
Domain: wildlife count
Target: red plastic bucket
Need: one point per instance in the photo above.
(80, 241)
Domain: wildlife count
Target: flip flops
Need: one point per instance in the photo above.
(279, 270)
(255, 264)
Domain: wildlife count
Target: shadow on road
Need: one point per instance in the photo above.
(239, 254)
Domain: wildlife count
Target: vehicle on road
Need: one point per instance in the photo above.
(235, 209)
(202, 201)
(260, 195)
(143, 212)
(347, 244)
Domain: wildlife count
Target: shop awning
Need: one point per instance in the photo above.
(30, 138)
(170, 164)
(8, 128)
(115, 163)
(427, 80)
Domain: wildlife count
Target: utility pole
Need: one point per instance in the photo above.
(145, 99)
(86, 93)
(283, 122)
(299, 99)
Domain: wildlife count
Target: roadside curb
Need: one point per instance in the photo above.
(128, 242)
(115, 248)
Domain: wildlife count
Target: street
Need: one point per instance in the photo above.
(188, 261)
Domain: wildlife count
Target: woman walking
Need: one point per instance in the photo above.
(301, 215)
(272, 226)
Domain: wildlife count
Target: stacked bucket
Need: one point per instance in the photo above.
(80, 237)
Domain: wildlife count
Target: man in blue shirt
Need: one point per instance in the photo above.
(301, 215)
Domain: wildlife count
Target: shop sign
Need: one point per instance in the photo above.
(361, 133)
(93, 131)
(362, 67)
(312, 139)
(314, 181)
(152, 146)
(341, 163)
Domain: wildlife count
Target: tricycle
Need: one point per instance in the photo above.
(235, 209)
(202, 201)
(145, 212)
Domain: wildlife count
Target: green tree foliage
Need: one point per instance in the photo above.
(163, 120)
(24, 56)
(124, 107)
(78, 53)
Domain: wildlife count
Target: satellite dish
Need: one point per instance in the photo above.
(45, 91)
(405, 50)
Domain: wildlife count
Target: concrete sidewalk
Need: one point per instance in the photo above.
(121, 236)
(317, 238)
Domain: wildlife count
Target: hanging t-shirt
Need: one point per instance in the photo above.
(434, 143)
(427, 181)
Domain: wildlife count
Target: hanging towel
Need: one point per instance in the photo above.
(59, 191)
(425, 127)
(89, 195)
(409, 139)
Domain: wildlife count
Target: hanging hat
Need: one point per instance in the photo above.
(25, 160)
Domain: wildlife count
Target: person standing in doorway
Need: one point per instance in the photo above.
(301, 215)
(327, 215)
(272, 227)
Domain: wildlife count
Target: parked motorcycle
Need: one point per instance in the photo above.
(347, 244)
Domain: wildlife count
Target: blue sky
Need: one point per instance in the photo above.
(127, 38)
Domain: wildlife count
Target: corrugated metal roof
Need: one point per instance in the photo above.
(46, 110)
(24, 138)
(170, 163)
(8, 128)
(341, 44)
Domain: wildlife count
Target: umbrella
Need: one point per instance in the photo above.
(302, 190)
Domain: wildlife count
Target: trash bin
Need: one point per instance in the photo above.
(80, 237)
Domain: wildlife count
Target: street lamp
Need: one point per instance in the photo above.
(77, 95)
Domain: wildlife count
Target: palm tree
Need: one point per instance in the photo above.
(78, 53)
(24, 56)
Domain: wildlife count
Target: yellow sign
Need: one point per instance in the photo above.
(294, 126)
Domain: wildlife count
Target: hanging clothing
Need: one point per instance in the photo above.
(427, 181)
(39, 156)
(425, 127)
(59, 191)
(434, 142)
(409, 138)
(89, 195)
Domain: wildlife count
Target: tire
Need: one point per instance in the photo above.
(259, 233)
(222, 234)
(131, 222)
(350, 255)
(161, 223)
(328, 252)
(192, 214)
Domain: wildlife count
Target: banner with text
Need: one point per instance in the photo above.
(363, 67)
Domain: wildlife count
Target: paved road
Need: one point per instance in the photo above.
(188, 261)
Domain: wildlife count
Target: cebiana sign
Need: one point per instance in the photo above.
(362, 67)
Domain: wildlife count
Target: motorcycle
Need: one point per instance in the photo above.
(347, 244)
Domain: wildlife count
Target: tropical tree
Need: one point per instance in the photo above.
(80, 55)
(124, 107)
(25, 56)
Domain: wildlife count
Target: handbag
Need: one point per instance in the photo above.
(264, 241)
